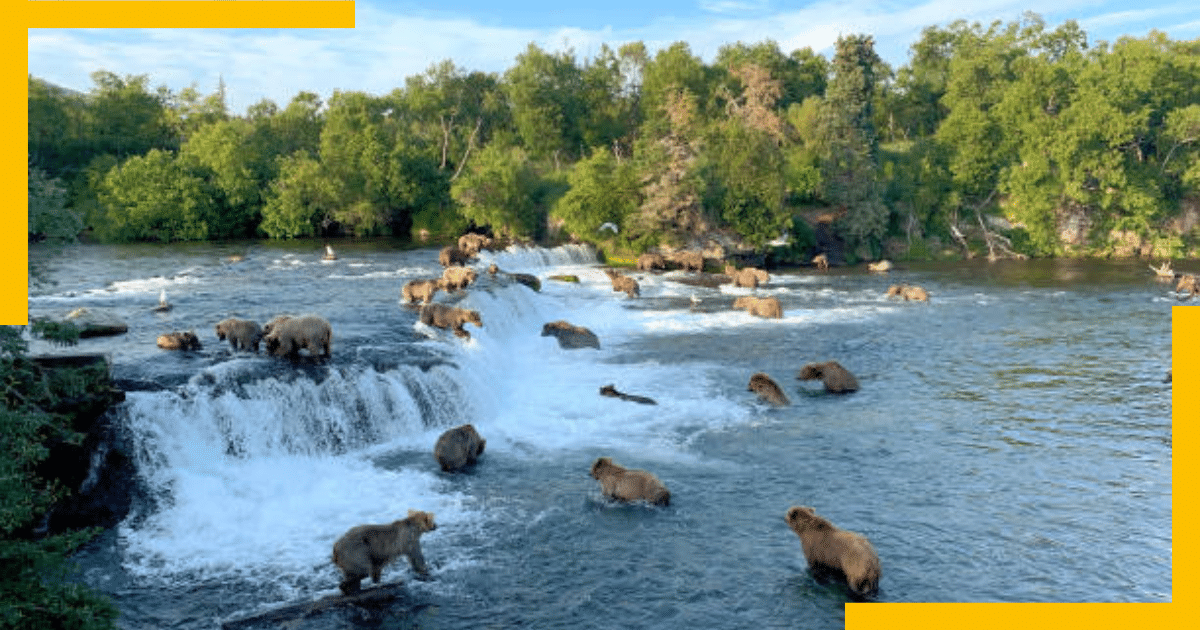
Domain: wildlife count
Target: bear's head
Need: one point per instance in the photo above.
(423, 520)
(600, 466)
(609, 390)
(473, 318)
(760, 382)
(802, 517)
(812, 371)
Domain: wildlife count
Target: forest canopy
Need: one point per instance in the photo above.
(1002, 139)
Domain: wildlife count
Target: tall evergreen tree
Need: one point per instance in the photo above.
(849, 170)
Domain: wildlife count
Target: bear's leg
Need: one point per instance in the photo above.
(350, 586)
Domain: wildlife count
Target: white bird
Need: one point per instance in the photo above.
(163, 305)
(329, 253)
(609, 226)
(695, 300)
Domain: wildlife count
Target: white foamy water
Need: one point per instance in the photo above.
(240, 462)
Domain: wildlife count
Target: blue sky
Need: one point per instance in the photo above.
(394, 40)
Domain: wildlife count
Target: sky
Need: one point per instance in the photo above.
(397, 39)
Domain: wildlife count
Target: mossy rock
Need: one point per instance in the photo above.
(566, 278)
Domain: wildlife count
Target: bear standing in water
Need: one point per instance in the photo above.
(627, 484)
(458, 448)
(364, 550)
(832, 550)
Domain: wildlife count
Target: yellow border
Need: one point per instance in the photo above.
(1185, 320)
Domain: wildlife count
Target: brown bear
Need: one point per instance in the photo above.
(767, 389)
(836, 378)
(570, 336)
(688, 261)
(178, 341)
(526, 279)
(1187, 283)
(649, 261)
(742, 277)
(908, 292)
(831, 550)
(275, 321)
(472, 243)
(307, 332)
(821, 261)
(364, 550)
(243, 334)
(768, 307)
(882, 266)
(627, 484)
(420, 290)
(611, 391)
(455, 278)
(451, 255)
(449, 317)
(623, 283)
(458, 448)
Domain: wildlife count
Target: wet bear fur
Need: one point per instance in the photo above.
(451, 255)
(624, 283)
(768, 307)
(450, 318)
(648, 262)
(243, 334)
(178, 341)
(836, 378)
(821, 261)
(307, 332)
(570, 336)
(611, 391)
(908, 292)
(626, 484)
(472, 243)
(688, 261)
(1187, 284)
(458, 448)
(767, 389)
(455, 278)
(420, 290)
(364, 550)
(834, 551)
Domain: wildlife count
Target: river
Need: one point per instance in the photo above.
(1011, 440)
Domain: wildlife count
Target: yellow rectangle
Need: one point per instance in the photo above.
(195, 14)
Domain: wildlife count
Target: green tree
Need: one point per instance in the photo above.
(36, 588)
(745, 171)
(545, 90)
(301, 200)
(850, 165)
(602, 190)
(674, 71)
(222, 153)
(354, 150)
(154, 197)
(126, 118)
(498, 190)
(49, 218)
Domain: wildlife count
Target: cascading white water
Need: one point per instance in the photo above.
(245, 458)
